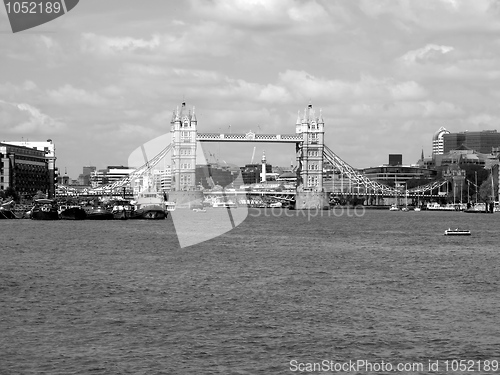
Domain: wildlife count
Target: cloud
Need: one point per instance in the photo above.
(293, 16)
(483, 121)
(23, 118)
(68, 94)
(366, 88)
(104, 45)
(443, 15)
(429, 52)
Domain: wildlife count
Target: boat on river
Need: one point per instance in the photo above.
(44, 209)
(150, 205)
(457, 232)
(72, 212)
(6, 211)
(99, 213)
(151, 212)
(123, 210)
(199, 210)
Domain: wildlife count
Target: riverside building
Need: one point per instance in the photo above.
(49, 151)
(25, 169)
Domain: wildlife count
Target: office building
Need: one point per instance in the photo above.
(49, 151)
(438, 141)
(109, 175)
(391, 175)
(395, 159)
(480, 141)
(25, 169)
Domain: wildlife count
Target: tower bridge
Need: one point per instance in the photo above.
(310, 151)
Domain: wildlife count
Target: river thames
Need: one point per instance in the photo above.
(282, 291)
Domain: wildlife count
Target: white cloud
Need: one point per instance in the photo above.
(91, 42)
(429, 52)
(68, 94)
(23, 118)
(366, 88)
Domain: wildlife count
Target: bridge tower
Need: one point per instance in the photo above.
(310, 192)
(183, 132)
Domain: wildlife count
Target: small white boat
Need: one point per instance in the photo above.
(170, 206)
(394, 208)
(416, 209)
(406, 209)
(199, 210)
(456, 232)
(227, 204)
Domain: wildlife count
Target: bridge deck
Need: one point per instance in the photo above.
(249, 137)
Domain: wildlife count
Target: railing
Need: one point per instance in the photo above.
(249, 137)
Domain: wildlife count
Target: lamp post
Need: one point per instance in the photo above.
(468, 194)
(476, 185)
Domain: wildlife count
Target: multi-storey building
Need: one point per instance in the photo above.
(479, 141)
(109, 175)
(438, 142)
(396, 174)
(49, 150)
(25, 169)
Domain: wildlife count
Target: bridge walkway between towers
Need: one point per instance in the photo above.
(249, 137)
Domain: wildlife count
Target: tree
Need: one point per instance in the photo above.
(485, 191)
(10, 192)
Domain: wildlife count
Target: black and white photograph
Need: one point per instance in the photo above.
(244, 187)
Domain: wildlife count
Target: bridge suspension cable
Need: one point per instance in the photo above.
(354, 175)
(139, 172)
(375, 186)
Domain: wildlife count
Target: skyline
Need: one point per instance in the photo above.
(105, 78)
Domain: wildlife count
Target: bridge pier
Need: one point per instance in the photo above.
(307, 200)
(186, 199)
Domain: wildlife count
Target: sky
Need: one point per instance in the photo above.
(105, 78)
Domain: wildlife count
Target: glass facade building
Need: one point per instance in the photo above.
(482, 141)
(388, 175)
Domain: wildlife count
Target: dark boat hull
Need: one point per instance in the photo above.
(7, 214)
(100, 216)
(122, 215)
(44, 215)
(98, 213)
(74, 213)
(150, 214)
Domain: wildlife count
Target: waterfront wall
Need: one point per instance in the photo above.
(306, 200)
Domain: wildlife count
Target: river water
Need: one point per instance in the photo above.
(278, 294)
